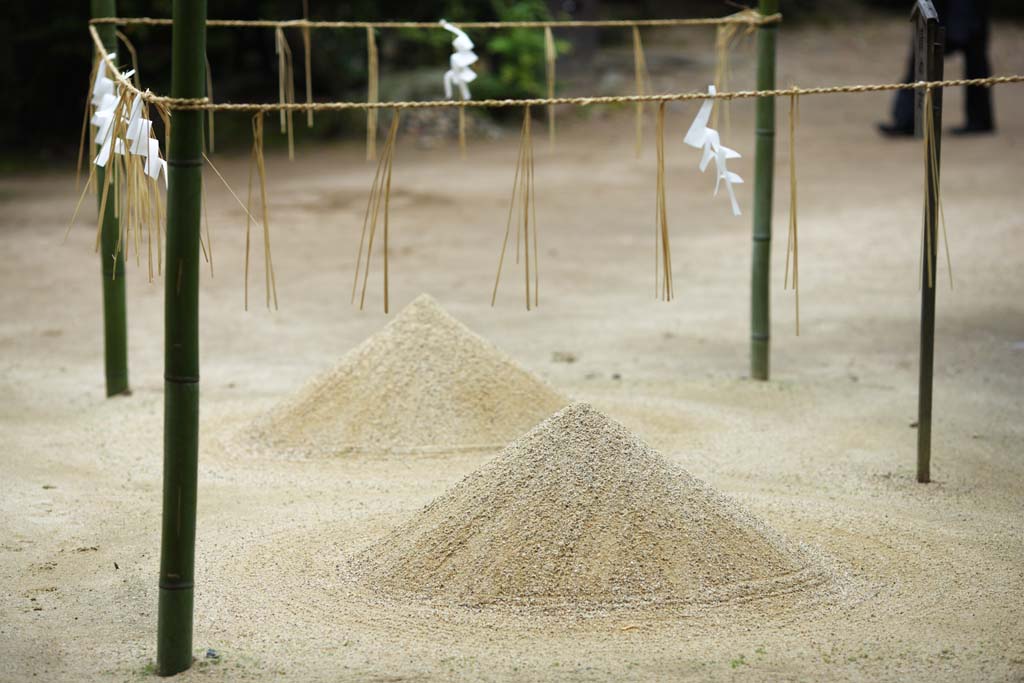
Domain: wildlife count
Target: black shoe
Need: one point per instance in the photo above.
(970, 129)
(893, 130)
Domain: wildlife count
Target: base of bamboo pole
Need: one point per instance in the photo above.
(174, 647)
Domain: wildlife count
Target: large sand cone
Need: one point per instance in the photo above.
(423, 383)
(581, 513)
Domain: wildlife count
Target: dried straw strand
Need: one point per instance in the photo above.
(209, 96)
(135, 57)
(549, 69)
(932, 161)
(663, 253)
(792, 242)
(725, 37)
(261, 172)
(380, 197)
(372, 93)
(206, 219)
(285, 87)
(642, 80)
(109, 177)
(511, 211)
(249, 220)
(306, 39)
(87, 114)
(525, 194)
(523, 207)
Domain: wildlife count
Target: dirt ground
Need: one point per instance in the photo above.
(933, 582)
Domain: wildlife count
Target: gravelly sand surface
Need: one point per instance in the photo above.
(580, 515)
(425, 382)
(933, 576)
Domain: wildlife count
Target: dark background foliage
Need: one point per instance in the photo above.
(46, 52)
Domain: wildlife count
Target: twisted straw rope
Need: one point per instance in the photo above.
(752, 20)
(203, 104)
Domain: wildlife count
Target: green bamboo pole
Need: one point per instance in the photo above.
(764, 169)
(115, 324)
(181, 343)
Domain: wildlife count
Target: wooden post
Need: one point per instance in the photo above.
(929, 50)
(181, 343)
(115, 319)
(764, 169)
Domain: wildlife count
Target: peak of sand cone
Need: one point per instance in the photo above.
(425, 382)
(581, 513)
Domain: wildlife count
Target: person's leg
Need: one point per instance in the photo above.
(979, 98)
(902, 106)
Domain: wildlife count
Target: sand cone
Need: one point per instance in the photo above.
(581, 513)
(424, 383)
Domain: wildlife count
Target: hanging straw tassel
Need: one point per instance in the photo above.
(725, 36)
(380, 197)
(932, 164)
(643, 86)
(285, 86)
(524, 207)
(261, 172)
(372, 93)
(662, 251)
(306, 39)
(792, 243)
(209, 96)
(549, 63)
(110, 176)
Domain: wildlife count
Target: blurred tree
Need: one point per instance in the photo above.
(45, 53)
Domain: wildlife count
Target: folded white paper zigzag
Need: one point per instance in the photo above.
(702, 137)
(459, 74)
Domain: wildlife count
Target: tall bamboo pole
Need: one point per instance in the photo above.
(115, 324)
(764, 169)
(929, 50)
(181, 343)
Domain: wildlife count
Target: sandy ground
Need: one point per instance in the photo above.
(934, 575)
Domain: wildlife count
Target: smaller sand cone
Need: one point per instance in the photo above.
(578, 514)
(424, 383)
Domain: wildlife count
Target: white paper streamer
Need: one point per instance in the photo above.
(459, 74)
(154, 164)
(137, 136)
(708, 139)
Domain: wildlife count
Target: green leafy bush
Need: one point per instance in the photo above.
(514, 59)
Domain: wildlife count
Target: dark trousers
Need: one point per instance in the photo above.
(979, 98)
